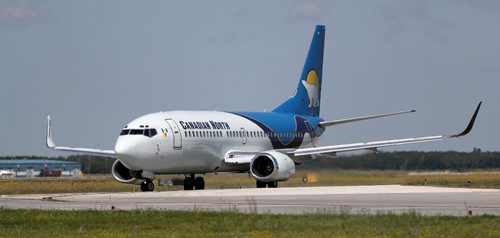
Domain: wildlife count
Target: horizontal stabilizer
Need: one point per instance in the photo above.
(355, 119)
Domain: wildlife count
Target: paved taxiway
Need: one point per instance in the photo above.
(352, 199)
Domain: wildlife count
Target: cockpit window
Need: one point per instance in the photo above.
(137, 132)
(150, 132)
(124, 132)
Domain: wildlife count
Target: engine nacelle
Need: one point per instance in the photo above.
(123, 174)
(272, 166)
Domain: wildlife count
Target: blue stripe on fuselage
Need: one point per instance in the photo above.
(281, 127)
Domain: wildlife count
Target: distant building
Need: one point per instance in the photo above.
(39, 168)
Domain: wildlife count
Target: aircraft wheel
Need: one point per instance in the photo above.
(260, 184)
(188, 183)
(199, 183)
(273, 184)
(147, 186)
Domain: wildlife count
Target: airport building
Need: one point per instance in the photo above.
(39, 168)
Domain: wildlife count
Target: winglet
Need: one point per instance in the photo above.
(471, 123)
(50, 143)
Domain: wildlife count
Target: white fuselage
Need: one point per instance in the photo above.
(191, 142)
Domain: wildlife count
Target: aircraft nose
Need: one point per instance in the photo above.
(121, 148)
(125, 151)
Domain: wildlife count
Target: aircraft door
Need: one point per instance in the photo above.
(176, 134)
(244, 138)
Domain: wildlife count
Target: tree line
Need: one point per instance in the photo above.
(398, 160)
(413, 160)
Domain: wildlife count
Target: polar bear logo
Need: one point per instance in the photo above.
(312, 87)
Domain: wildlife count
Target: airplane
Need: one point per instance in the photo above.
(5, 172)
(267, 145)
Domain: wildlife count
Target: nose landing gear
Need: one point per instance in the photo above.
(190, 183)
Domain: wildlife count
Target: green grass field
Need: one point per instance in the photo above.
(38, 223)
(320, 178)
(91, 223)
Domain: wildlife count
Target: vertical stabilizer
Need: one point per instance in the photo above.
(307, 99)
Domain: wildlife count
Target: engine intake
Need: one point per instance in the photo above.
(272, 166)
(123, 174)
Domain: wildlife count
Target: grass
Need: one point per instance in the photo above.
(42, 223)
(319, 178)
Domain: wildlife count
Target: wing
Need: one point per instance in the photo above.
(50, 144)
(333, 149)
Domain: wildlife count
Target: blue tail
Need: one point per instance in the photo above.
(306, 100)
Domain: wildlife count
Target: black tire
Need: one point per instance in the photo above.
(199, 183)
(188, 183)
(273, 184)
(261, 184)
(147, 186)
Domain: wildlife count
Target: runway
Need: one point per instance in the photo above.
(296, 200)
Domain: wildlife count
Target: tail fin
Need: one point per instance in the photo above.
(307, 98)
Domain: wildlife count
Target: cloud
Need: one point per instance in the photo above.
(438, 31)
(406, 9)
(19, 12)
(402, 16)
(489, 5)
(311, 10)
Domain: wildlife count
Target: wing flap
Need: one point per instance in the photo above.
(363, 146)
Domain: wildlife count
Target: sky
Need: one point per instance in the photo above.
(94, 66)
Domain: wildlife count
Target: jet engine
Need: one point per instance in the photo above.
(123, 174)
(272, 166)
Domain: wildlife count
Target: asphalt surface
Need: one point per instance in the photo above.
(338, 199)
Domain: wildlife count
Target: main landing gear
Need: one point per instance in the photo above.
(190, 183)
(147, 185)
(272, 184)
